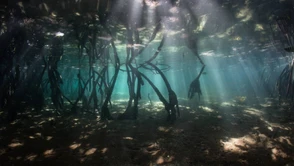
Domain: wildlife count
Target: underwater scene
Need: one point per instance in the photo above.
(147, 82)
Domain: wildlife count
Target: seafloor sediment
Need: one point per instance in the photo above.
(207, 133)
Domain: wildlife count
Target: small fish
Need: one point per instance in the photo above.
(204, 73)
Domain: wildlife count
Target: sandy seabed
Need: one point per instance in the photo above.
(207, 133)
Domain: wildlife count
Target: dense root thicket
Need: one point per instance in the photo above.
(33, 47)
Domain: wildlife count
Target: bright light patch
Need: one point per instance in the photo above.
(48, 138)
(128, 138)
(41, 122)
(38, 134)
(53, 14)
(31, 157)
(239, 145)
(90, 151)
(225, 104)
(237, 38)
(74, 146)
(164, 129)
(245, 14)
(49, 153)
(270, 128)
(59, 34)
(174, 10)
(253, 111)
(13, 145)
(208, 53)
(285, 139)
(278, 153)
(258, 27)
(104, 150)
(152, 4)
(203, 21)
(160, 160)
(207, 109)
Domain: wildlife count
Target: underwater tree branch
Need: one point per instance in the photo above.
(132, 111)
(156, 30)
(74, 107)
(195, 86)
(105, 114)
(156, 53)
(173, 101)
(160, 96)
(167, 106)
